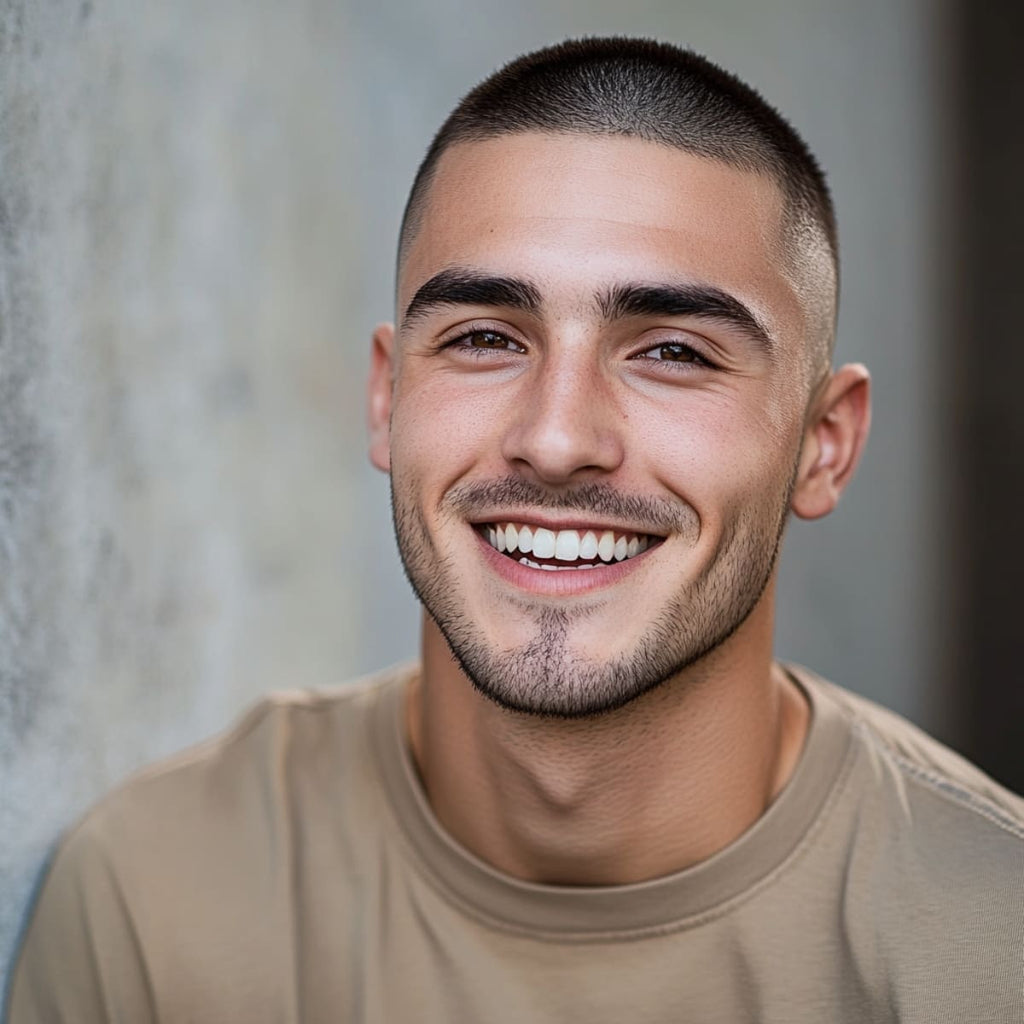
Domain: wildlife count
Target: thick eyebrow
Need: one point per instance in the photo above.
(701, 301)
(458, 286)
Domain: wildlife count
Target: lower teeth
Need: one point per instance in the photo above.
(556, 568)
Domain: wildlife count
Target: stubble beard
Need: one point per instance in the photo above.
(546, 676)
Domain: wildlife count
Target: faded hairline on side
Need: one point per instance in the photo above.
(657, 92)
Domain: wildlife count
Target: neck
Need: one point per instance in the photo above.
(653, 788)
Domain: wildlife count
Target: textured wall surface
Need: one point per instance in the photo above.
(198, 205)
(181, 393)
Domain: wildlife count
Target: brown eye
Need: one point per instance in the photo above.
(487, 339)
(478, 342)
(676, 353)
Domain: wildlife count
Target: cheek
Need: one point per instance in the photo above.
(438, 429)
(719, 454)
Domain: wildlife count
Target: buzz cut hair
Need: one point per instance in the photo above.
(656, 92)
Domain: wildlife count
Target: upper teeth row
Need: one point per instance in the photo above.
(565, 545)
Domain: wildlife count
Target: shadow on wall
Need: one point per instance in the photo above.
(985, 368)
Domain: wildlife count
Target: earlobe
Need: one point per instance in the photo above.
(379, 395)
(833, 441)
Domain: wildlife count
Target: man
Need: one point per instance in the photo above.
(598, 798)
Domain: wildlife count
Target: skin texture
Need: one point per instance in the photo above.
(610, 725)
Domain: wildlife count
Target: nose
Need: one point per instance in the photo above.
(565, 423)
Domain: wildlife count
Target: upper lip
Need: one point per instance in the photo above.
(556, 523)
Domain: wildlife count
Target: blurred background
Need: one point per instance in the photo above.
(198, 210)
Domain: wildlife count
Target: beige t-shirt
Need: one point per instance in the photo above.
(292, 871)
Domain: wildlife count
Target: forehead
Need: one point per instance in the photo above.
(579, 213)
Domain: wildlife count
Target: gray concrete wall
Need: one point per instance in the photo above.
(198, 205)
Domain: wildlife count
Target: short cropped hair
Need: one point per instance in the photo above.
(648, 90)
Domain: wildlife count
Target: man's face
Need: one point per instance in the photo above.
(600, 360)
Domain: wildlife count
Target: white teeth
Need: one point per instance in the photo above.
(550, 568)
(543, 543)
(567, 545)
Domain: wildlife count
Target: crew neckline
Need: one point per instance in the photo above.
(676, 901)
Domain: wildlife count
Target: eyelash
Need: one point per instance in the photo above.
(461, 343)
(694, 357)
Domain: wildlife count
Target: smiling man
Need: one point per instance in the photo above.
(598, 798)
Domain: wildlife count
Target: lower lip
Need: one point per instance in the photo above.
(558, 582)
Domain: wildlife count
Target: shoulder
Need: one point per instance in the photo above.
(917, 813)
(925, 768)
(190, 846)
(239, 784)
(932, 851)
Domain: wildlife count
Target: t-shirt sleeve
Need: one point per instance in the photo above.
(80, 960)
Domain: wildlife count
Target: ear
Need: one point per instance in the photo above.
(382, 376)
(833, 441)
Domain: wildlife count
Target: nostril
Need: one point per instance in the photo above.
(559, 443)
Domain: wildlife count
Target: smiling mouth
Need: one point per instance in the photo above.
(541, 548)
